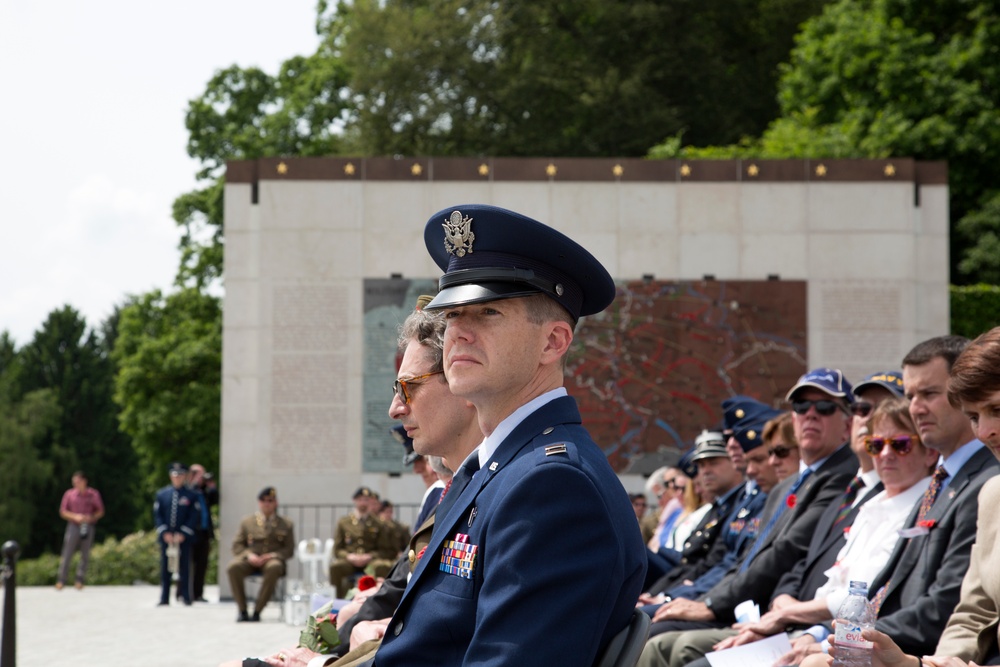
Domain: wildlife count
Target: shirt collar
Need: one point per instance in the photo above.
(490, 444)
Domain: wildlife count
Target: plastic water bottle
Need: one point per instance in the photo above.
(854, 615)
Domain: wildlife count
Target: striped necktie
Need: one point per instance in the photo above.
(926, 502)
(759, 542)
(848, 503)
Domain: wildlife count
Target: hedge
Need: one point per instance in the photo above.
(975, 309)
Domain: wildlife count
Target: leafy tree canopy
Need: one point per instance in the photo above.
(169, 356)
(918, 78)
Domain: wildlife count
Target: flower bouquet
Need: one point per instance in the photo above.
(320, 634)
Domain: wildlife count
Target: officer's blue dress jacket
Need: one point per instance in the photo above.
(742, 526)
(559, 558)
(188, 515)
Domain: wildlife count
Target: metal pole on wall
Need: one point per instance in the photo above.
(8, 573)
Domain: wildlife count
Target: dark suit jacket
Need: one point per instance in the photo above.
(810, 572)
(788, 542)
(925, 572)
(545, 513)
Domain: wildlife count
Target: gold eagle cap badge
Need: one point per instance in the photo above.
(458, 236)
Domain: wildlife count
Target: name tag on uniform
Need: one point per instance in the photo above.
(459, 557)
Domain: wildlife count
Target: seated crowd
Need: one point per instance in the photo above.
(877, 482)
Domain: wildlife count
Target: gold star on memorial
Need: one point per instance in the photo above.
(889, 170)
(753, 170)
(349, 169)
(282, 168)
(685, 170)
(618, 170)
(484, 169)
(821, 170)
(551, 170)
(416, 169)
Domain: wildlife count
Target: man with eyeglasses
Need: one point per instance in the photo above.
(920, 586)
(263, 543)
(821, 417)
(539, 560)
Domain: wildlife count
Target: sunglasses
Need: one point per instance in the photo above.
(400, 388)
(781, 451)
(901, 444)
(674, 486)
(823, 407)
(862, 408)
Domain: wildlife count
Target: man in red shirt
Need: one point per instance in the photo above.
(81, 507)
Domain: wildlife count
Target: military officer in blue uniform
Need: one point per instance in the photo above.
(539, 561)
(176, 513)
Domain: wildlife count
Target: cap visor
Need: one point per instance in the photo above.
(461, 295)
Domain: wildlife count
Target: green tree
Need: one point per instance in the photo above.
(169, 356)
(917, 78)
(246, 114)
(25, 475)
(75, 365)
(550, 77)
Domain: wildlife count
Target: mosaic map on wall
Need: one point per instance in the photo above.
(649, 373)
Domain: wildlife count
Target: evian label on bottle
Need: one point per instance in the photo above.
(849, 634)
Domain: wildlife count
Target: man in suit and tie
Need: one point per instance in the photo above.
(919, 587)
(509, 574)
(821, 416)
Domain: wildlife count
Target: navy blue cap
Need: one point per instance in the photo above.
(686, 465)
(749, 432)
(177, 468)
(891, 380)
(490, 253)
(828, 380)
(267, 492)
(737, 408)
(399, 433)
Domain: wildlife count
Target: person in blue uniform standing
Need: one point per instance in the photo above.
(176, 513)
(539, 561)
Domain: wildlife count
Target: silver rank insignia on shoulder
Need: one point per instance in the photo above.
(458, 236)
(559, 448)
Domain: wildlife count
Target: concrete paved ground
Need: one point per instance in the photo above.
(121, 626)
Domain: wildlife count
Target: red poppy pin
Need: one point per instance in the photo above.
(791, 500)
(927, 523)
(366, 582)
(421, 554)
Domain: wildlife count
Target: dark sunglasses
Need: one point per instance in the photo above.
(862, 408)
(401, 387)
(823, 407)
(781, 451)
(901, 444)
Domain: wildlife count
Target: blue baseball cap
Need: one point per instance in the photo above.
(891, 380)
(828, 380)
(490, 253)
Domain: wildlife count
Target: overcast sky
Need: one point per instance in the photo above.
(92, 138)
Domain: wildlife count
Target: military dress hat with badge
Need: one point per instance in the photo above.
(267, 493)
(177, 468)
(490, 253)
(363, 492)
(749, 430)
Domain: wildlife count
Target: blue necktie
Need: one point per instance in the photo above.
(458, 484)
(759, 542)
